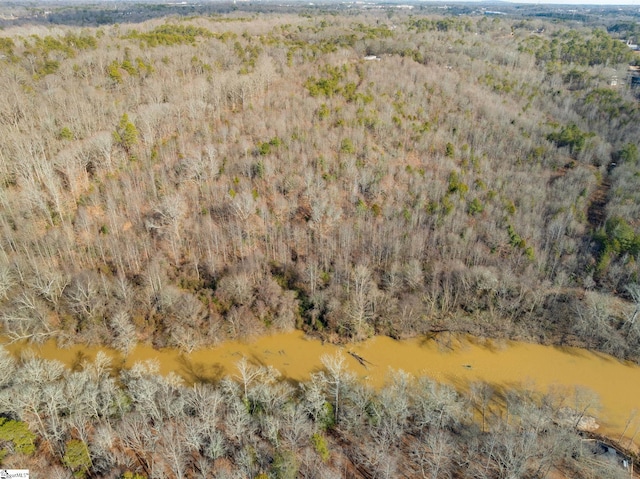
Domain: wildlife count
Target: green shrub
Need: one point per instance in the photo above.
(516, 241)
(126, 134)
(76, 457)
(285, 465)
(346, 146)
(475, 207)
(132, 475)
(65, 134)
(629, 153)
(323, 111)
(320, 445)
(329, 84)
(19, 434)
(7, 46)
(570, 136)
(617, 238)
(514, 238)
(456, 185)
(449, 150)
(264, 149)
(170, 35)
(114, 73)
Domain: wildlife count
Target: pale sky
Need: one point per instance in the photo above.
(579, 2)
(552, 2)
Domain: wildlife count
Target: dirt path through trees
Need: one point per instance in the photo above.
(596, 212)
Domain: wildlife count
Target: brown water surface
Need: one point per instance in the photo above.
(449, 359)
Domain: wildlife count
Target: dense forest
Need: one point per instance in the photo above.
(139, 424)
(184, 181)
(187, 180)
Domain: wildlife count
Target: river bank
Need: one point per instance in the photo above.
(571, 373)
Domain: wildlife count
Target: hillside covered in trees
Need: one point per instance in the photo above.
(184, 181)
(187, 180)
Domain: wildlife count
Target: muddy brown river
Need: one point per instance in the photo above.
(454, 360)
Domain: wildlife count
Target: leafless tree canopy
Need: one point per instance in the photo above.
(187, 180)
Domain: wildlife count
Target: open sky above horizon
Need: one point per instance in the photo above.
(579, 2)
(540, 2)
(609, 3)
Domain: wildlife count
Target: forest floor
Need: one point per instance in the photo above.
(597, 210)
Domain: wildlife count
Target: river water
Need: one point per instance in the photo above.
(455, 360)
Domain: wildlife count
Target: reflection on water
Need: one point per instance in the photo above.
(446, 358)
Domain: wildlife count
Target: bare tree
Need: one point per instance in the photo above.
(173, 449)
(360, 309)
(481, 395)
(434, 456)
(124, 332)
(6, 279)
(336, 379)
(247, 374)
(634, 291)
